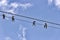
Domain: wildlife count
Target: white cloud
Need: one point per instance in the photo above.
(3, 2)
(8, 38)
(22, 35)
(24, 38)
(57, 3)
(14, 5)
(24, 32)
(50, 1)
(26, 5)
(20, 27)
(12, 11)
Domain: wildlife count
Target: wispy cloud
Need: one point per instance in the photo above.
(8, 38)
(22, 35)
(12, 7)
(50, 1)
(55, 2)
(26, 5)
(3, 2)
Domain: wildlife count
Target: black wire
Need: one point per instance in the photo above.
(30, 18)
(54, 27)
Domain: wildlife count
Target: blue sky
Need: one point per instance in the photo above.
(48, 10)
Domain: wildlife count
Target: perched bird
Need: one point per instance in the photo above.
(45, 25)
(34, 22)
(13, 18)
(3, 16)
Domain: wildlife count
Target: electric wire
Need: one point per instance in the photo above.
(30, 18)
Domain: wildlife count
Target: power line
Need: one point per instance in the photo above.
(30, 18)
(31, 22)
(54, 27)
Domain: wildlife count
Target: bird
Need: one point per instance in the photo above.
(34, 22)
(3, 16)
(13, 18)
(45, 25)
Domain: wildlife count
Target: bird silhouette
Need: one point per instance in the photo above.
(3, 16)
(45, 25)
(13, 18)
